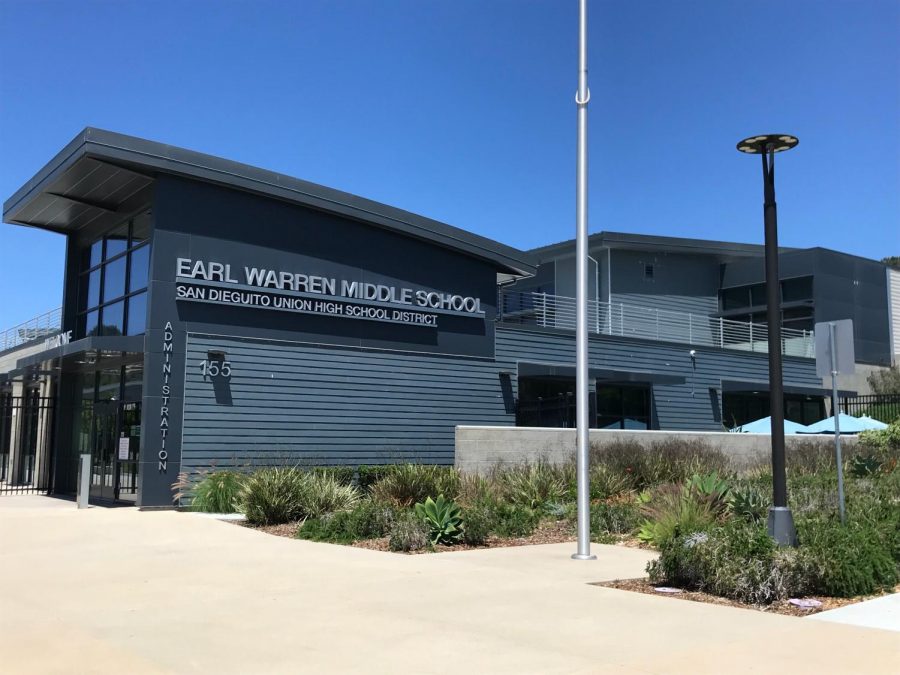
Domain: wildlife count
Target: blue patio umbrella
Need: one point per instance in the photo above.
(764, 426)
(873, 423)
(849, 425)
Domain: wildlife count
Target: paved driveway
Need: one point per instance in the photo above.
(115, 590)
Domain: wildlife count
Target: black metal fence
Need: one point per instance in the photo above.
(883, 407)
(26, 437)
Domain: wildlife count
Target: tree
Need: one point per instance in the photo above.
(885, 381)
(892, 261)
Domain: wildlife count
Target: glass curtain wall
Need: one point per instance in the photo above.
(112, 286)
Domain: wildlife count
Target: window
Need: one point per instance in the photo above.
(735, 298)
(797, 290)
(648, 272)
(112, 297)
(623, 406)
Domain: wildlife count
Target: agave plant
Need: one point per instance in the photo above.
(748, 503)
(442, 517)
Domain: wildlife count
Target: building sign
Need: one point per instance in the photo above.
(163, 455)
(214, 282)
(58, 340)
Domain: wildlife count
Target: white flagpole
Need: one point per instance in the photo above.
(581, 291)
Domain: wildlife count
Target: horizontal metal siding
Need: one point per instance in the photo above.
(331, 405)
(894, 310)
(678, 407)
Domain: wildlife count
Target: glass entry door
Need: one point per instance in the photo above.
(103, 454)
(114, 420)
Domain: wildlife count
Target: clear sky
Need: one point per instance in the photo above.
(463, 110)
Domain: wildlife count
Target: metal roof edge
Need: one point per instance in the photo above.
(135, 152)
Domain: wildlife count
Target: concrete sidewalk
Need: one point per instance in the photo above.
(108, 590)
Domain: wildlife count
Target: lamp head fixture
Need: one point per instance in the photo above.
(757, 145)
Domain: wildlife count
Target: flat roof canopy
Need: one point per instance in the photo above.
(101, 174)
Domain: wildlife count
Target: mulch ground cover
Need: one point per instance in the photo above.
(547, 532)
(643, 585)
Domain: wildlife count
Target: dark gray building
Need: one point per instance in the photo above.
(216, 314)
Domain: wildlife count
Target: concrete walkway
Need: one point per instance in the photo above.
(115, 590)
(881, 613)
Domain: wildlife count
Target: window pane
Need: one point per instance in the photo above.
(93, 289)
(758, 295)
(140, 265)
(635, 402)
(609, 401)
(90, 323)
(140, 229)
(108, 386)
(117, 241)
(114, 280)
(113, 316)
(794, 290)
(137, 314)
(96, 253)
(735, 298)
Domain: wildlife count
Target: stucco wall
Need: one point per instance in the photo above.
(479, 448)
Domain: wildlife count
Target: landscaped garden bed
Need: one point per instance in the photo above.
(684, 500)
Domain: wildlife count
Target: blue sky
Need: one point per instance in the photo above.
(463, 110)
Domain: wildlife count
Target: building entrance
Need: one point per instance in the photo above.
(107, 424)
(115, 455)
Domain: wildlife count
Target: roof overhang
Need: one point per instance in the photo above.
(530, 369)
(749, 386)
(101, 175)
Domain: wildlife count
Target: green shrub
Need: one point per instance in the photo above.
(217, 492)
(738, 561)
(475, 489)
(443, 519)
(674, 510)
(342, 474)
(748, 503)
(614, 517)
(367, 476)
(408, 533)
(670, 461)
(408, 484)
(605, 483)
(845, 561)
(322, 492)
(272, 496)
(532, 485)
(477, 521)
(862, 466)
(366, 521)
(513, 520)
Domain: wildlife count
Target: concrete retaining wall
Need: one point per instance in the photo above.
(480, 448)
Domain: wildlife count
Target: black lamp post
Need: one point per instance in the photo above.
(781, 522)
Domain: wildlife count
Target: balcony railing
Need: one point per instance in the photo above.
(37, 328)
(647, 323)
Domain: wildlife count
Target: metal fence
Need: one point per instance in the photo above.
(883, 407)
(39, 327)
(605, 318)
(26, 434)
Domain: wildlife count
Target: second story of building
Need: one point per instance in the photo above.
(711, 292)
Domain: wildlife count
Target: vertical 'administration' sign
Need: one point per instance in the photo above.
(163, 456)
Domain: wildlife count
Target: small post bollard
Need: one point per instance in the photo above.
(84, 480)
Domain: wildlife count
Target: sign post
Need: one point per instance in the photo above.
(835, 355)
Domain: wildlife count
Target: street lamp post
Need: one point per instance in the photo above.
(780, 522)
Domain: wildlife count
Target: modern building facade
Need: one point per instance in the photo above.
(216, 314)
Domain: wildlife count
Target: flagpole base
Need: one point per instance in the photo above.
(583, 556)
(781, 526)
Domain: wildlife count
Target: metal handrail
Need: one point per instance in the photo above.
(38, 328)
(649, 323)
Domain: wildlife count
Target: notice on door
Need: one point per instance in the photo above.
(124, 444)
